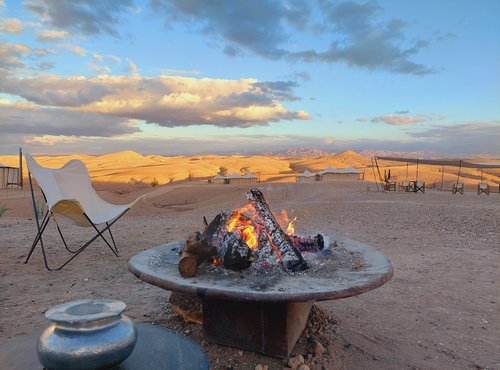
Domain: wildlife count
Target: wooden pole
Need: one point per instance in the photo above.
(442, 177)
(379, 175)
(374, 176)
(459, 169)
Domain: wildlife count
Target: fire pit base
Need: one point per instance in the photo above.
(261, 314)
(265, 327)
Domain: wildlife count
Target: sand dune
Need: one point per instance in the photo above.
(132, 168)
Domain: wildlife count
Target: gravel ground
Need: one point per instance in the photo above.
(440, 310)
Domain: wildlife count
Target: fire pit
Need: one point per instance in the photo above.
(255, 303)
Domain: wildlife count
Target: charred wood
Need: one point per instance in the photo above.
(308, 243)
(195, 252)
(287, 252)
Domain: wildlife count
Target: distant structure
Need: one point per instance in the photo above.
(306, 176)
(248, 178)
(331, 174)
(339, 174)
(12, 176)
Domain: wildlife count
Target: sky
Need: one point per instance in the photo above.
(191, 77)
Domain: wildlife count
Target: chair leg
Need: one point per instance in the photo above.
(38, 237)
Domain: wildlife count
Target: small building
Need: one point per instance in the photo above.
(234, 178)
(217, 179)
(306, 176)
(338, 174)
(248, 178)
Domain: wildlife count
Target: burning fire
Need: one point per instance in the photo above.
(284, 220)
(243, 221)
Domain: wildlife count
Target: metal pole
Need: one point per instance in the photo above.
(20, 180)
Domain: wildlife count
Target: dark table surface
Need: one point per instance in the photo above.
(157, 348)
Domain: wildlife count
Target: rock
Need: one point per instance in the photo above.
(303, 367)
(259, 367)
(318, 348)
(295, 362)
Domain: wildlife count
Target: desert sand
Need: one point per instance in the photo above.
(439, 311)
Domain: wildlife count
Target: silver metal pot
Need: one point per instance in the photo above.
(86, 334)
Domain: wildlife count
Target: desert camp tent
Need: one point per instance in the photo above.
(338, 174)
(217, 179)
(234, 178)
(306, 176)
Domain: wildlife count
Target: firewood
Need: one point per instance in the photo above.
(289, 255)
(308, 243)
(195, 252)
(234, 252)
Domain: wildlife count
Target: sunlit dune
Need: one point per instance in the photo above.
(129, 167)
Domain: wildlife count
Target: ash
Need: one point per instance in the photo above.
(264, 273)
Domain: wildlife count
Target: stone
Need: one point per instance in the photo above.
(295, 362)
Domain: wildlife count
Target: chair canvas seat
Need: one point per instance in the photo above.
(68, 191)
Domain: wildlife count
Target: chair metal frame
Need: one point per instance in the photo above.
(457, 188)
(48, 215)
(483, 190)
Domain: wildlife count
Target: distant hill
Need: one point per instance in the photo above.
(351, 158)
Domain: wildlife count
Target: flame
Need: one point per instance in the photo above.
(217, 261)
(243, 223)
(283, 220)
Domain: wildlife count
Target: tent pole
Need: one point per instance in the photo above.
(442, 177)
(379, 175)
(416, 175)
(374, 176)
(20, 180)
(406, 178)
(459, 168)
(481, 174)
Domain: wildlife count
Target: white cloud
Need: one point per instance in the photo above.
(167, 100)
(401, 119)
(51, 35)
(75, 49)
(132, 69)
(11, 25)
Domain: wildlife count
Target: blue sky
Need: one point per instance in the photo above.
(181, 77)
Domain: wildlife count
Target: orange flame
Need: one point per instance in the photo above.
(284, 220)
(245, 226)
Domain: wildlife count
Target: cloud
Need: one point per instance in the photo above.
(34, 120)
(267, 28)
(401, 119)
(12, 25)
(132, 69)
(51, 35)
(12, 55)
(75, 49)
(167, 100)
(79, 16)
(254, 26)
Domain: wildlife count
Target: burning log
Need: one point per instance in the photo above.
(195, 252)
(280, 241)
(308, 243)
(234, 252)
(231, 248)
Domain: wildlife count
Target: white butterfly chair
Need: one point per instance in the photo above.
(68, 191)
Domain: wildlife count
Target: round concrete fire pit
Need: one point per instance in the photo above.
(269, 310)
